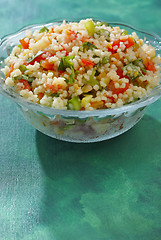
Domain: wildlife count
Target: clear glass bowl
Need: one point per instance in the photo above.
(78, 126)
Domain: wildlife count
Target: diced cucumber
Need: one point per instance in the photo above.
(74, 103)
(22, 68)
(89, 25)
(92, 79)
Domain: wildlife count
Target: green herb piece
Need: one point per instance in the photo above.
(92, 79)
(102, 23)
(95, 56)
(77, 72)
(105, 60)
(44, 29)
(24, 77)
(125, 32)
(105, 33)
(97, 73)
(74, 103)
(87, 46)
(132, 71)
(20, 46)
(72, 77)
(144, 70)
(55, 94)
(65, 63)
(89, 25)
(139, 62)
(35, 56)
(99, 65)
(22, 68)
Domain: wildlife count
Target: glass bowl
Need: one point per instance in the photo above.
(78, 126)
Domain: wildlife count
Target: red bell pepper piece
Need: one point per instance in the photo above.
(87, 62)
(149, 65)
(71, 34)
(25, 83)
(129, 42)
(111, 85)
(24, 44)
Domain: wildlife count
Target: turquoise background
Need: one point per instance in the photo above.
(54, 190)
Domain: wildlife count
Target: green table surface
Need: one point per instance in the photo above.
(55, 190)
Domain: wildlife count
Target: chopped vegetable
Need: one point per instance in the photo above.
(44, 29)
(55, 94)
(20, 46)
(47, 65)
(102, 23)
(120, 73)
(105, 33)
(132, 71)
(105, 77)
(87, 88)
(105, 60)
(86, 100)
(97, 73)
(74, 103)
(138, 83)
(24, 77)
(97, 104)
(129, 42)
(111, 87)
(87, 46)
(71, 34)
(112, 99)
(22, 68)
(92, 79)
(54, 88)
(36, 58)
(89, 25)
(24, 44)
(71, 78)
(65, 63)
(87, 62)
(25, 83)
(139, 62)
(125, 32)
(149, 65)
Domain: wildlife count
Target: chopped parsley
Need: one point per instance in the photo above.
(87, 46)
(44, 29)
(29, 60)
(65, 63)
(24, 77)
(22, 68)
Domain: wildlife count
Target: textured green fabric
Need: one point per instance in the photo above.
(54, 190)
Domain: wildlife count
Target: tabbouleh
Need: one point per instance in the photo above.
(82, 66)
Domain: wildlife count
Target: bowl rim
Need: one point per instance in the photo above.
(144, 101)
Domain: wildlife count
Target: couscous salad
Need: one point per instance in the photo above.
(84, 65)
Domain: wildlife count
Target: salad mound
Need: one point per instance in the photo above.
(84, 65)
